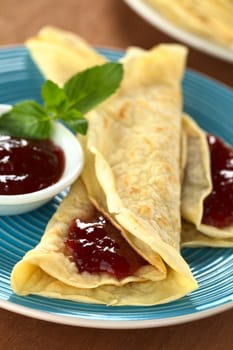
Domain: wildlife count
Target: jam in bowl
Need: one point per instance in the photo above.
(32, 172)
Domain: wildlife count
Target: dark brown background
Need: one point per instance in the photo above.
(105, 23)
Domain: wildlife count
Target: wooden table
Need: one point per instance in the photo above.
(105, 23)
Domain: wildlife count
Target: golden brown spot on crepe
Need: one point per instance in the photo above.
(144, 210)
(148, 141)
(132, 153)
(203, 18)
(105, 123)
(133, 190)
(159, 129)
(161, 220)
(123, 111)
(125, 180)
(169, 171)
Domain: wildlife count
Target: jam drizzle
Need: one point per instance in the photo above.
(218, 206)
(28, 165)
(97, 246)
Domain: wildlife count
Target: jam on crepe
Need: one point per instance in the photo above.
(28, 165)
(218, 206)
(97, 246)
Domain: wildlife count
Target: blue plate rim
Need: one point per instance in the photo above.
(112, 324)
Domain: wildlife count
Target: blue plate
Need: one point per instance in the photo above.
(211, 105)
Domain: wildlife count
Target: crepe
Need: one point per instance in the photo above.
(145, 209)
(60, 54)
(196, 186)
(48, 269)
(210, 19)
(142, 121)
(192, 238)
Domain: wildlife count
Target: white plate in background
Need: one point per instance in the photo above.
(157, 20)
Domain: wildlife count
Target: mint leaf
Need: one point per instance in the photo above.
(54, 97)
(26, 119)
(92, 86)
(82, 92)
(76, 121)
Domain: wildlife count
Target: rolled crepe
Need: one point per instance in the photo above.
(60, 54)
(49, 269)
(141, 198)
(191, 237)
(196, 186)
(133, 155)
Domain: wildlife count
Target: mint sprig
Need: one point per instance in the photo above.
(81, 93)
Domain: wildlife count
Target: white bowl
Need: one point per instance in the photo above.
(22, 203)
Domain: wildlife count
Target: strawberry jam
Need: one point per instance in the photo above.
(97, 246)
(28, 165)
(218, 206)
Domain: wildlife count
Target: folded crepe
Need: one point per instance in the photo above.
(60, 54)
(191, 237)
(132, 150)
(50, 270)
(196, 187)
(132, 177)
(210, 19)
